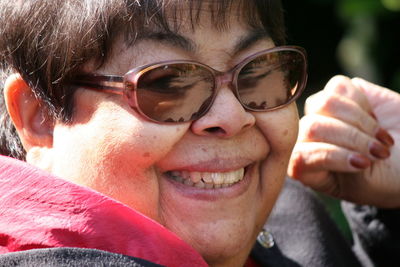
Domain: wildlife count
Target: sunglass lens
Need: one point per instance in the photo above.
(271, 80)
(178, 92)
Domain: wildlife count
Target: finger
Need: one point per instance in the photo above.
(312, 157)
(314, 163)
(384, 102)
(344, 109)
(318, 128)
(341, 85)
(376, 94)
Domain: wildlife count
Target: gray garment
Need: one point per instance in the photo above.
(304, 233)
(63, 257)
(376, 234)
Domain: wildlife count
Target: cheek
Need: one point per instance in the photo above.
(107, 128)
(280, 128)
(115, 152)
(113, 132)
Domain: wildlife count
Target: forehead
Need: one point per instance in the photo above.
(189, 17)
(191, 37)
(185, 38)
(151, 19)
(205, 44)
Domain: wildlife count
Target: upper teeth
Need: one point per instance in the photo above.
(207, 179)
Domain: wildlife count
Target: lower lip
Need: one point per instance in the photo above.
(215, 194)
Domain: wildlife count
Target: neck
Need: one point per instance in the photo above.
(237, 260)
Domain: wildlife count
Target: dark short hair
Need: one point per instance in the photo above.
(48, 42)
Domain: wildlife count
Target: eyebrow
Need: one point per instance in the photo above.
(170, 38)
(175, 39)
(250, 39)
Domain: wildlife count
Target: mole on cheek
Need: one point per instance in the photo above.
(285, 133)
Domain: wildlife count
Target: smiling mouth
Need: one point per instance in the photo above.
(207, 180)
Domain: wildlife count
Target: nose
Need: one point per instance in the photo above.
(226, 117)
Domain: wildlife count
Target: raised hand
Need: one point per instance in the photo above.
(349, 143)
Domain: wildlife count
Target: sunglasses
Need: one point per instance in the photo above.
(183, 91)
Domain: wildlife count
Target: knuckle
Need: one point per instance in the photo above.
(339, 79)
(330, 103)
(338, 84)
(311, 129)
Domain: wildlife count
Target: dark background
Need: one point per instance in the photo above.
(352, 37)
(357, 38)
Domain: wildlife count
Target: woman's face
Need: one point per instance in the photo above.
(112, 149)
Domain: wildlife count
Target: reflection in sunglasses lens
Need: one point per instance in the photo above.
(183, 92)
(175, 93)
(270, 80)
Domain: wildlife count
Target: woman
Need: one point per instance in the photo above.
(203, 165)
(159, 107)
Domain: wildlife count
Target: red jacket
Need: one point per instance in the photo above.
(38, 210)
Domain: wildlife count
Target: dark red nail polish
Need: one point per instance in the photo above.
(383, 136)
(379, 151)
(359, 161)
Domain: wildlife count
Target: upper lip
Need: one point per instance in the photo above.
(213, 165)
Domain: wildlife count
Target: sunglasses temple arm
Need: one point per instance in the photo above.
(106, 83)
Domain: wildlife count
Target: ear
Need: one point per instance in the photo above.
(29, 115)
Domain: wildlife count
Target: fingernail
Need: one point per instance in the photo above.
(383, 136)
(359, 161)
(379, 151)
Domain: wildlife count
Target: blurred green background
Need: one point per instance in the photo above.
(353, 37)
(357, 38)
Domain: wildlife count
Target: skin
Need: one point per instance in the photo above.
(114, 150)
(342, 122)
